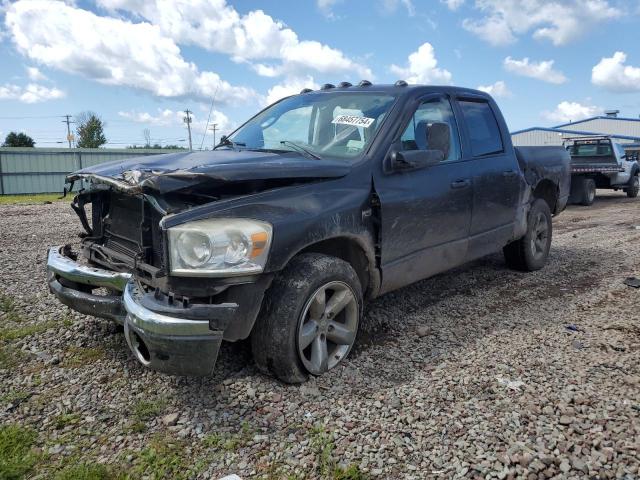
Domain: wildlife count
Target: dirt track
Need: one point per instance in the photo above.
(478, 372)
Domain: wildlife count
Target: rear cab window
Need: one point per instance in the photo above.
(482, 127)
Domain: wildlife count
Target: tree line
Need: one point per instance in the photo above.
(89, 134)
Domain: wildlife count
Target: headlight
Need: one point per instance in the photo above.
(219, 247)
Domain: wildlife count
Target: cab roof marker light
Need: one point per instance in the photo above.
(305, 90)
(364, 83)
(401, 83)
(344, 85)
(327, 86)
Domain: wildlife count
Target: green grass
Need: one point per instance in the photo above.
(9, 356)
(17, 457)
(10, 334)
(164, 458)
(29, 198)
(8, 307)
(322, 445)
(66, 419)
(87, 471)
(145, 410)
(352, 472)
(81, 356)
(14, 396)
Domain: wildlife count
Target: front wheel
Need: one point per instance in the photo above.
(634, 186)
(531, 252)
(310, 319)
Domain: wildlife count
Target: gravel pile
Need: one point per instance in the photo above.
(480, 372)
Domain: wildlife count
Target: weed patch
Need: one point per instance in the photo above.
(16, 452)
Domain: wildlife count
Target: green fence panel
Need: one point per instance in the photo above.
(42, 170)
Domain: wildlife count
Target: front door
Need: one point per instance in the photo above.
(426, 213)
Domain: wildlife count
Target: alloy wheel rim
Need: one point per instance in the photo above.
(540, 235)
(327, 327)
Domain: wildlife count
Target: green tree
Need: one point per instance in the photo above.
(18, 140)
(90, 130)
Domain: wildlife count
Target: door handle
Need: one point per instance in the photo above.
(509, 173)
(461, 183)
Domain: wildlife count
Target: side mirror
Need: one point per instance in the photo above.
(415, 159)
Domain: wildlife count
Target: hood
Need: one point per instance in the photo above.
(176, 171)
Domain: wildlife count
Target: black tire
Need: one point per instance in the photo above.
(587, 192)
(274, 339)
(634, 186)
(531, 252)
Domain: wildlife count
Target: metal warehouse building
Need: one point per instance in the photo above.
(622, 130)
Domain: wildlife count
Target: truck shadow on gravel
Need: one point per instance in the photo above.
(454, 309)
(415, 327)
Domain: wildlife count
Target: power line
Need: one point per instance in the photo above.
(34, 116)
(214, 127)
(204, 134)
(188, 121)
(68, 121)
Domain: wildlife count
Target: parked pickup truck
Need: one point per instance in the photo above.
(318, 203)
(597, 162)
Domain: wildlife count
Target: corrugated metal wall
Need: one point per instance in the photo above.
(546, 137)
(42, 170)
(610, 126)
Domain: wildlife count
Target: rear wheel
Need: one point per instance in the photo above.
(588, 192)
(310, 321)
(634, 186)
(531, 252)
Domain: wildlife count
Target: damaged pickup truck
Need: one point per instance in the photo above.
(317, 204)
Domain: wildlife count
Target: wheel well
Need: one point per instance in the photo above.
(351, 252)
(547, 191)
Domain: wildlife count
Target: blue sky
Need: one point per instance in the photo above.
(140, 63)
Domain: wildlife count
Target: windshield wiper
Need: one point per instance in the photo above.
(227, 142)
(305, 151)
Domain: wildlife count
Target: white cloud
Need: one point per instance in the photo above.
(290, 87)
(423, 68)
(255, 36)
(392, 5)
(566, 112)
(612, 74)
(35, 74)
(326, 7)
(453, 4)
(31, 93)
(498, 89)
(539, 70)
(558, 22)
(173, 118)
(111, 51)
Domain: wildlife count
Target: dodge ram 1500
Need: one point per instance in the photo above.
(318, 203)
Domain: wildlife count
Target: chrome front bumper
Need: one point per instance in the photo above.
(172, 344)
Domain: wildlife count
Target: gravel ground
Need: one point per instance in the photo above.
(480, 372)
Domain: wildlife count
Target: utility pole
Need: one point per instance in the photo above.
(214, 127)
(68, 121)
(188, 120)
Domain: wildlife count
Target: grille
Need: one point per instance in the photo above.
(131, 227)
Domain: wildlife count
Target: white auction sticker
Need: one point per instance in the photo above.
(353, 120)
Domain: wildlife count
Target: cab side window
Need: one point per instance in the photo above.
(484, 133)
(416, 135)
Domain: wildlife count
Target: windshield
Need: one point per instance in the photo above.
(335, 124)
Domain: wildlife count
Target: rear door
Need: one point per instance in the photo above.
(425, 214)
(495, 173)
